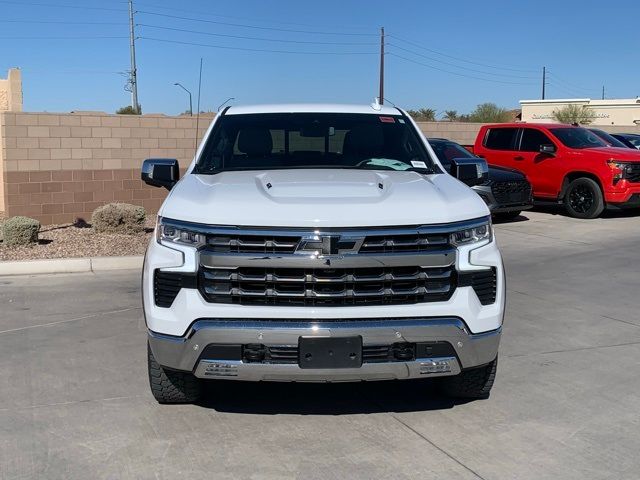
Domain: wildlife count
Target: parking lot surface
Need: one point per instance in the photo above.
(75, 403)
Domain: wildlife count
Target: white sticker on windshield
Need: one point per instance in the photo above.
(415, 164)
(389, 163)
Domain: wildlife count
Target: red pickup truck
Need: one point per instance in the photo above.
(565, 164)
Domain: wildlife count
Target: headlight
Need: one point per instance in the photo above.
(619, 168)
(473, 235)
(172, 234)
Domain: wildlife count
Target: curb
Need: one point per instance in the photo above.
(71, 265)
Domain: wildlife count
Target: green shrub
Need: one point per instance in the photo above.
(118, 218)
(20, 231)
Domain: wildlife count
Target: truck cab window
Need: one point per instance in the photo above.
(500, 138)
(532, 139)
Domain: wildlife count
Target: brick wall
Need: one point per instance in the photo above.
(59, 167)
(2, 174)
(460, 132)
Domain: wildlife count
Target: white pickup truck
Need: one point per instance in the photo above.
(320, 243)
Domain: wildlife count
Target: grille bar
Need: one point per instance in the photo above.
(252, 244)
(286, 240)
(327, 286)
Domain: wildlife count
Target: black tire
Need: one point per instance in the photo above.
(583, 198)
(169, 386)
(472, 383)
(507, 215)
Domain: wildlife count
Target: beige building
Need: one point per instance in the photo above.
(622, 111)
(11, 92)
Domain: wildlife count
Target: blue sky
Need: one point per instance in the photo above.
(455, 54)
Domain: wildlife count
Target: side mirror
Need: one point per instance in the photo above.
(548, 149)
(160, 172)
(471, 171)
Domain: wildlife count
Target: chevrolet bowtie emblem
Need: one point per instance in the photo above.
(330, 245)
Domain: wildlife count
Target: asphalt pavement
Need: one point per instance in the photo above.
(75, 403)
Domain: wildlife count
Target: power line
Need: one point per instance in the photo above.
(200, 12)
(495, 66)
(570, 85)
(81, 37)
(566, 90)
(458, 74)
(61, 22)
(254, 26)
(457, 66)
(243, 37)
(253, 49)
(57, 5)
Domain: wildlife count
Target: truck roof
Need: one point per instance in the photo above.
(530, 124)
(312, 108)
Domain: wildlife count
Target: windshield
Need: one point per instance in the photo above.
(578, 137)
(447, 151)
(269, 141)
(633, 140)
(608, 139)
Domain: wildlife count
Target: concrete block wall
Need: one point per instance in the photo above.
(460, 132)
(59, 167)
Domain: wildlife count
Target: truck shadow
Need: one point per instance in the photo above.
(611, 213)
(520, 218)
(272, 398)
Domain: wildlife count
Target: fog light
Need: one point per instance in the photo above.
(403, 351)
(254, 352)
(434, 366)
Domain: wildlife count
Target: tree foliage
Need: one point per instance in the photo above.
(573, 113)
(128, 110)
(489, 113)
(451, 115)
(423, 114)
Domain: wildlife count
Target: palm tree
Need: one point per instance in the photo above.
(423, 114)
(451, 115)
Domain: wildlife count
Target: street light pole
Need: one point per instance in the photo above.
(381, 79)
(190, 103)
(223, 103)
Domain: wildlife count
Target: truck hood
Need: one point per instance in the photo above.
(322, 198)
(617, 153)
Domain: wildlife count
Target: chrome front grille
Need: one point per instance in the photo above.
(326, 267)
(327, 287)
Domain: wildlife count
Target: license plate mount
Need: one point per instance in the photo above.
(330, 352)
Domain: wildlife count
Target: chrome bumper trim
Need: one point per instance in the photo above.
(183, 353)
(255, 372)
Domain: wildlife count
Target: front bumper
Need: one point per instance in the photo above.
(495, 206)
(184, 353)
(624, 194)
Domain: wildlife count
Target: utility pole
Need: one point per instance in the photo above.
(602, 92)
(544, 80)
(133, 75)
(381, 92)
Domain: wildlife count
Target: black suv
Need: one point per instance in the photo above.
(506, 193)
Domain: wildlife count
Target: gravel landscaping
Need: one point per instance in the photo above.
(70, 240)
